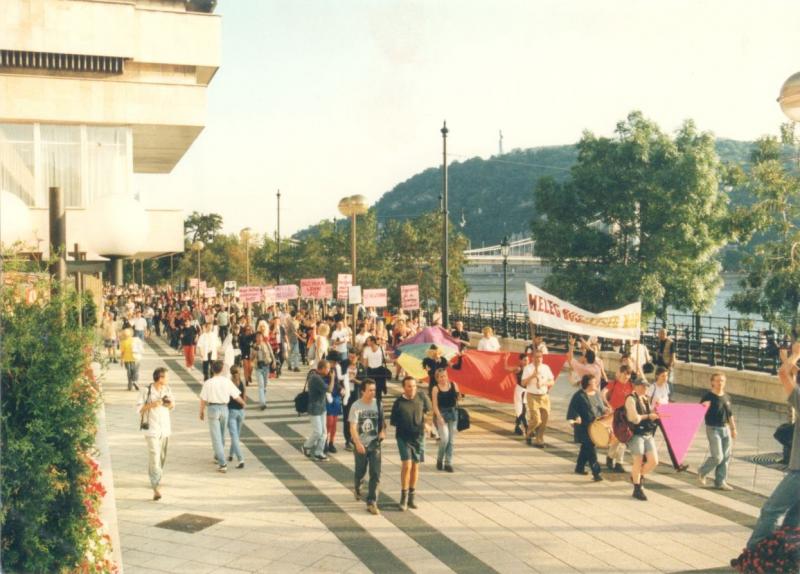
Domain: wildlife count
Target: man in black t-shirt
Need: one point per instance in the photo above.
(721, 430)
(460, 334)
(408, 418)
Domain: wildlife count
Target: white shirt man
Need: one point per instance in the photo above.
(372, 359)
(208, 342)
(639, 357)
(542, 378)
(139, 324)
(339, 338)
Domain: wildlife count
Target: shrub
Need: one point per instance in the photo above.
(50, 488)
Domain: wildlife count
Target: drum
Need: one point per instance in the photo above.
(601, 431)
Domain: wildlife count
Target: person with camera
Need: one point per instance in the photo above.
(217, 392)
(154, 406)
(366, 429)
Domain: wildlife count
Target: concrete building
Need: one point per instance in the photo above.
(93, 91)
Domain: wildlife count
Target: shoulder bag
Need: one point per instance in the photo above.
(145, 424)
(301, 400)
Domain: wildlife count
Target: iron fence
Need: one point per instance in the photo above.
(739, 343)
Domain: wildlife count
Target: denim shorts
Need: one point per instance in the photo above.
(413, 450)
(642, 444)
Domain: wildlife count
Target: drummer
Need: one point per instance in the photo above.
(615, 394)
(582, 412)
(643, 421)
(538, 379)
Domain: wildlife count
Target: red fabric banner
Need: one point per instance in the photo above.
(484, 374)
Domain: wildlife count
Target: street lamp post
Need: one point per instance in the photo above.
(445, 248)
(504, 250)
(352, 207)
(278, 241)
(244, 235)
(197, 247)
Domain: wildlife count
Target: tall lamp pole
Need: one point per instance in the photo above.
(197, 247)
(352, 207)
(278, 240)
(244, 235)
(445, 242)
(504, 250)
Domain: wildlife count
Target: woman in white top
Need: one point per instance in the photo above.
(488, 342)
(658, 394)
(321, 343)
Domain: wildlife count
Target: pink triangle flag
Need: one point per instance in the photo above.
(679, 423)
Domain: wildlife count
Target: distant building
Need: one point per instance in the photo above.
(93, 91)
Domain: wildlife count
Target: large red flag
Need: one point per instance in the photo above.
(679, 423)
(483, 374)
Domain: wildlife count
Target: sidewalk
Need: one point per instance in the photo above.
(507, 508)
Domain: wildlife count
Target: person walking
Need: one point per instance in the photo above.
(582, 411)
(130, 353)
(615, 393)
(408, 418)
(334, 401)
(538, 379)
(154, 406)
(665, 356)
(721, 431)
(236, 415)
(643, 443)
(109, 326)
(320, 381)
(188, 336)
(208, 347)
(444, 399)
(263, 358)
(367, 432)
(521, 421)
(216, 394)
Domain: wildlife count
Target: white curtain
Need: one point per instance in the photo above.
(107, 164)
(16, 161)
(61, 161)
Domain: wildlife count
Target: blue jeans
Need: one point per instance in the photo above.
(671, 382)
(262, 376)
(217, 421)
(294, 356)
(447, 436)
(316, 441)
(785, 500)
(719, 443)
(139, 334)
(235, 420)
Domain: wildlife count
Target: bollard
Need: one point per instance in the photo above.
(740, 362)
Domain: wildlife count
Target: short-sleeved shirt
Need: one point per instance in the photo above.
(219, 390)
(374, 358)
(367, 420)
(544, 374)
(794, 459)
(618, 392)
(157, 417)
(719, 410)
(408, 416)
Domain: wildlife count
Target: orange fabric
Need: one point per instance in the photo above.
(483, 374)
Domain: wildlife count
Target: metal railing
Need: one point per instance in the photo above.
(739, 343)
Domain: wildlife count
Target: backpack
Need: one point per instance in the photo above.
(778, 553)
(621, 426)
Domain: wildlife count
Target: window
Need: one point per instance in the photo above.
(61, 161)
(17, 161)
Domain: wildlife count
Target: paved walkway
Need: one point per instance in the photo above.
(507, 508)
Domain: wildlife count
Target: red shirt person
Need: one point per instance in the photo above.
(615, 394)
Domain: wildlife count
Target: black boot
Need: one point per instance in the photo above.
(403, 500)
(411, 503)
(610, 463)
(596, 472)
(638, 493)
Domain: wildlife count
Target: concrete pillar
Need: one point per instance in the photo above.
(115, 275)
(58, 234)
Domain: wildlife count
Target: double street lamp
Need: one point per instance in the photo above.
(505, 248)
(352, 207)
(244, 235)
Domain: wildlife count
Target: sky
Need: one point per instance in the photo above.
(323, 99)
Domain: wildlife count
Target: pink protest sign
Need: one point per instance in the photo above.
(250, 294)
(284, 293)
(409, 297)
(327, 291)
(343, 282)
(679, 423)
(270, 295)
(312, 288)
(375, 297)
(211, 292)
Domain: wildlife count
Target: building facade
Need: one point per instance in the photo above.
(93, 91)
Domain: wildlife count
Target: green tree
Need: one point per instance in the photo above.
(203, 227)
(641, 217)
(771, 287)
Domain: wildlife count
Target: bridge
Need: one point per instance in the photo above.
(520, 253)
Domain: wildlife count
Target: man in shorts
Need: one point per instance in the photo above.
(643, 444)
(408, 418)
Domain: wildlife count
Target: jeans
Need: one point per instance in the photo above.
(132, 370)
(719, 443)
(784, 500)
(262, 375)
(156, 457)
(217, 421)
(371, 458)
(294, 356)
(447, 436)
(139, 334)
(316, 441)
(235, 420)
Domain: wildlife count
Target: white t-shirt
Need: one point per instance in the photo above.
(545, 376)
(374, 358)
(361, 339)
(658, 394)
(340, 338)
(489, 344)
(140, 324)
(219, 390)
(158, 417)
(639, 356)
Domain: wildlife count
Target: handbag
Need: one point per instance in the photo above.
(145, 425)
(301, 400)
(463, 419)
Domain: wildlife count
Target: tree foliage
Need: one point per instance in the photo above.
(202, 227)
(641, 217)
(771, 287)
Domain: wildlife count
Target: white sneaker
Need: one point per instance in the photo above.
(725, 486)
(701, 478)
